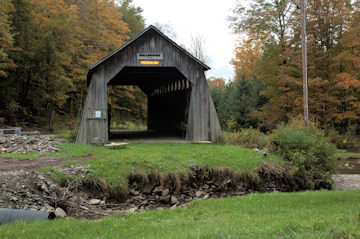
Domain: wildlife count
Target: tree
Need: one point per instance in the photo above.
(6, 36)
(20, 79)
(247, 55)
(132, 16)
(333, 36)
(54, 43)
(265, 20)
(198, 49)
(267, 24)
(53, 47)
(166, 29)
(6, 47)
(217, 88)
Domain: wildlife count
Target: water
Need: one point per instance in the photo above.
(349, 165)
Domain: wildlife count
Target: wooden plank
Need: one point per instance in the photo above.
(116, 145)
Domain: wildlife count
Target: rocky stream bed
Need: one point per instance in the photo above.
(24, 187)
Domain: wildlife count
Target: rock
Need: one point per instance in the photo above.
(94, 201)
(206, 196)
(77, 170)
(132, 210)
(41, 177)
(165, 192)
(158, 189)
(148, 188)
(174, 200)
(53, 187)
(134, 192)
(227, 181)
(49, 208)
(15, 199)
(44, 188)
(173, 207)
(198, 194)
(59, 212)
(23, 144)
(165, 199)
(102, 202)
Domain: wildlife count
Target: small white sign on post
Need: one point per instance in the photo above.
(98, 114)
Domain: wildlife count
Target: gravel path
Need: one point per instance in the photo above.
(347, 181)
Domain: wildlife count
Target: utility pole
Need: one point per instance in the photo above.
(304, 61)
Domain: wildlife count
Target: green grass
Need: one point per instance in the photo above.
(320, 214)
(114, 165)
(344, 153)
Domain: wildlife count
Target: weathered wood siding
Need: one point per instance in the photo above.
(202, 123)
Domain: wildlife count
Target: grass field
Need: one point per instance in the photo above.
(311, 214)
(344, 153)
(114, 165)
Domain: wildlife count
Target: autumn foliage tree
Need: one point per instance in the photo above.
(6, 37)
(333, 59)
(46, 47)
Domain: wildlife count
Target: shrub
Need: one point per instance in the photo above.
(346, 141)
(250, 138)
(308, 150)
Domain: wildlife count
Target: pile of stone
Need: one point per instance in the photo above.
(11, 143)
(25, 190)
(36, 191)
(32, 190)
(157, 196)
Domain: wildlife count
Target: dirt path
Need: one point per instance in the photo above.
(14, 164)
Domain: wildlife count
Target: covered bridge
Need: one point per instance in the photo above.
(174, 81)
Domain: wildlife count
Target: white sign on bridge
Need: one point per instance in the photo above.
(149, 56)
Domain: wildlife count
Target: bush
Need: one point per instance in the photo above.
(346, 141)
(249, 138)
(308, 150)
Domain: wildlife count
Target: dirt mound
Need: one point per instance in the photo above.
(147, 192)
(91, 198)
(11, 143)
(88, 198)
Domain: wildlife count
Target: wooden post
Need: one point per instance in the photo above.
(304, 61)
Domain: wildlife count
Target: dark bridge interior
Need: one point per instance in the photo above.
(168, 93)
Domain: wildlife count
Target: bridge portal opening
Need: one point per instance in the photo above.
(167, 95)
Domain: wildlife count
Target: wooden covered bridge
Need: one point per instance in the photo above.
(174, 81)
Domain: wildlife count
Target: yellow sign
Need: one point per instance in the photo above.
(149, 62)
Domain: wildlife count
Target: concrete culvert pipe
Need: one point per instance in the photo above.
(12, 215)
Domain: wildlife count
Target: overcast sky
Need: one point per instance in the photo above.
(197, 17)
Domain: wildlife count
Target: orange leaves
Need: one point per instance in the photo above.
(247, 55)
(217, 83)
(6, 37)
(346, 80)
(103, 29)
